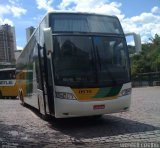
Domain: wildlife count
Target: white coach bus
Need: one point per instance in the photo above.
(78, 65)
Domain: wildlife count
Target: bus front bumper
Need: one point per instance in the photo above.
(73, 108)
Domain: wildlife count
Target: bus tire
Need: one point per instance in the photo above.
(21, 98)
(45, 117)
(1, 95)
(97, 116)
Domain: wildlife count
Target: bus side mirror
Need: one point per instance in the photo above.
(48, 40)
(137, 41)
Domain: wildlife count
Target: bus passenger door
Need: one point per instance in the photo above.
(45, 92)
(40, 82)
(48, 81)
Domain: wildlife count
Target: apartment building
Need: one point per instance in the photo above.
(7, 43)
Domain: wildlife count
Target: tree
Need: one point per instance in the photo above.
(149, 58)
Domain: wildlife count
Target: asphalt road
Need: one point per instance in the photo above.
(140, 127)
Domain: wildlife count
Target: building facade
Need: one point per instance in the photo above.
(29, 32)
(7, 43)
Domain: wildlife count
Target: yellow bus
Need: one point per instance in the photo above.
(8, 84)
(79, 65)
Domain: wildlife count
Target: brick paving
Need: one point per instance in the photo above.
(140, 127)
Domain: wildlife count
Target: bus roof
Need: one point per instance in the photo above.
(76, 12)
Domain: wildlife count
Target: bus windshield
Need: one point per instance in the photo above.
(89, 23)
(7, 74)
(89, 61)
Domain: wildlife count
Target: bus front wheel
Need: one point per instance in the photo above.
(21, 98)
(1, 95)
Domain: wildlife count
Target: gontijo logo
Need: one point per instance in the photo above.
(7, 82)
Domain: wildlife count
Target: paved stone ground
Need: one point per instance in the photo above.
(140, 127)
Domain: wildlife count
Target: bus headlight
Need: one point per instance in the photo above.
(65, 95)
(125, 92)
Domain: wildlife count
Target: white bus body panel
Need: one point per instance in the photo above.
(73, 108)
(32, 100)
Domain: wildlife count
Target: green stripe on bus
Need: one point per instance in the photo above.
(114, 91)
(102, 92)
(108, 92)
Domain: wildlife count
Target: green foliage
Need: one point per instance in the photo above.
(149, 59)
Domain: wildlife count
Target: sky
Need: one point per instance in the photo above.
(139, 16)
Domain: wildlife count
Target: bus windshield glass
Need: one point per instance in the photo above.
(7, 74)
(89, 61)
(88, 23)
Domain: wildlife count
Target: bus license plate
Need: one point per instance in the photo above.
(95, 107)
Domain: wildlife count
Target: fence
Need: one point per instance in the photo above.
(146, 79)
